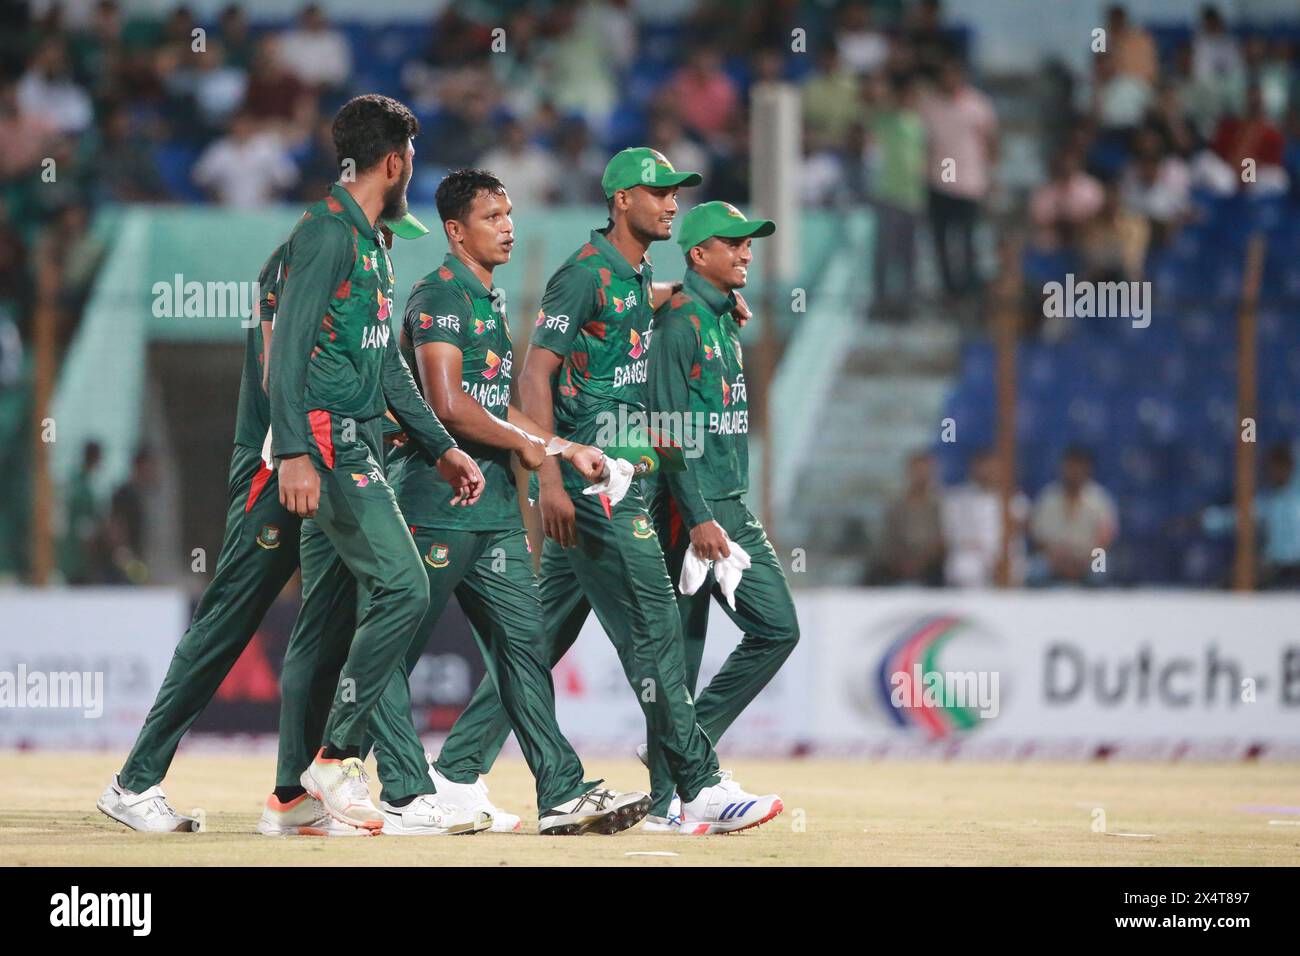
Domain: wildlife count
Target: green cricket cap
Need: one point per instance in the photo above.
(643, 166)
(408, 227)
(716, 218)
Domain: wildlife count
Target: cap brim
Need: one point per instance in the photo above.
(677, 179)
(664, 179)
(750, 228)
(408, 227)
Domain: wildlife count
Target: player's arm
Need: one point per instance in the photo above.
(676, 352)
(268, 285)
(421, 424)
(440, 365)
(321, 252)
(662, 292)
(569, 302)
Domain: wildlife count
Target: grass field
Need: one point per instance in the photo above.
(837, 813)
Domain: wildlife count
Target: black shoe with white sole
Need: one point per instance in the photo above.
(597, 811)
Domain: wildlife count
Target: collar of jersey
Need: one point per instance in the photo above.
(618, 262)
(364, 225)
(465, 277)
(706, 293)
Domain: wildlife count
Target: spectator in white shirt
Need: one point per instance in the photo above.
(315, 53)
(529, 172)
(972, 528)
(246, 169)
(48, 91)
(1074, 518)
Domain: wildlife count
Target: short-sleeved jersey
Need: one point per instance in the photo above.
(451, 305)
(698, 368)
(254, 414)
(596, 315)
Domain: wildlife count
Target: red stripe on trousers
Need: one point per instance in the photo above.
(259, 482)
(674, 523)
(320, 430)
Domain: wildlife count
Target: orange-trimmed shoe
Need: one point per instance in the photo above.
(726, 808)
(303, 816)
(342, 787)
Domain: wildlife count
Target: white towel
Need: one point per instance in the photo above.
(617, 480)
(266, 451)
(726, 571)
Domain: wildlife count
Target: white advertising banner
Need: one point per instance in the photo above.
(598, 708)
(80, 668)
(1051, 674)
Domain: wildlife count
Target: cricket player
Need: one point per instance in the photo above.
(259, 553)
(456, 336)
(585, 373)
(697, 373)
(334, 371)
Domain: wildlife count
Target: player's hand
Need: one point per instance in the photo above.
(559, 518)
(709, 541)
(531, 452)
(461, 472)
(588, 460)
(397, 439)
(299, 485)
(741, 312)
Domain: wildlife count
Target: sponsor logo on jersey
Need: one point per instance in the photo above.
(426, 320)
(493, 364)
(269, 537)
(641, 527)
(480, 326)
(557, 323)
(363, 479)
(385, 304)
(726, 393)
(449, 322)
(637, 350)
(439, 556)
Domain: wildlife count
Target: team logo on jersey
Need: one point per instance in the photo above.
(637, 351)
(269, 537)
(439, 556)
(493, 364)
(641, 527)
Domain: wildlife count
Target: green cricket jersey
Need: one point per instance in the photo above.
(698, 368)
(451, 305)
(334, 349)
(596, 315)
(254, 415)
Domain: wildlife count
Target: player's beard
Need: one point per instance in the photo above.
(395, 198)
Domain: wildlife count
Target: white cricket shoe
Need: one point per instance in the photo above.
(342, 786)
(148, 812)
(303, 816)
(599, 810)
(473, 796)
(726, 808)
(669, 824)
(426, 815)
